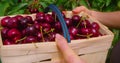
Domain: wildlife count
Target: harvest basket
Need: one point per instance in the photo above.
(92, 50)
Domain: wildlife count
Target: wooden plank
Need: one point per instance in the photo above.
(98, 57)
(24, 49)
(26, 58)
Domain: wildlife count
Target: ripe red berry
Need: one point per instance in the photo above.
(8, 42)
(76, 18)
(12, 23)
(73, 31)
(95, 25)
(13, 33)
(30, 39)
(5, 20)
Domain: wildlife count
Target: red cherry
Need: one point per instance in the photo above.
(40, 17)
(52, 36)
(49, 18)
(39, 36)
(29, 18)
(72, 37)
(58, 25)
(76, 18)
(46, 27)
(37, 26)
(23, 23)
(31, 30)
(68, 22)
(95, 32)
(85, 23)
(4, 32)
(31, 39)
(95, 25)
(85, 31)
(12, 23)
(73, 31)
(8, 42)
(19, 17)
(13, 33)
(5, 20)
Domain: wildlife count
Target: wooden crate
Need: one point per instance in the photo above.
(92, 50)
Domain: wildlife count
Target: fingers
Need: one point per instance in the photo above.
(67, 52)
(62, 44)
(80, 9)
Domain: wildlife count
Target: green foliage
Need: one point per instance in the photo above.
(0, 61)
(17, 9)
(11, 7)
(3, 8)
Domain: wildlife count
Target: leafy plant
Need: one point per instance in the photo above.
(12, 7)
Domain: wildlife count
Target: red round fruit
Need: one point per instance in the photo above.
(49, 18)
(73, 31)
(95, 32)
(31, 30)
(30, 20)
(58, 25)
(23, 23)
(40, 17)
(52, 36)
(4, 32)
(95, 25)
(85, 31)
(12, 23)
(8, 42)
(76, 18)
(5, 20)
(19, 17)
(13, 33)
(39, 36)
(31, 39)
(46, 27)
(37, 26)
(85, 23)
(68, 22)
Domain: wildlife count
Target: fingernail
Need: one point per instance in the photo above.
(57, 37)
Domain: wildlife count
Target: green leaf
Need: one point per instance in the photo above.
(109, 8)
(43, 4)
(118, 4)
(18, 12)
(116, 36)
(74, 5)
(16, 8)
(84, 3)
(0, 60)
(108, 2)
(3, 7)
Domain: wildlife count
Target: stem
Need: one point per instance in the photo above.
(88, 35)
(20, 39)
(50, 31)
(35, 45)
(1, 27)
(81, 35)
(42, 34)
(78, 24)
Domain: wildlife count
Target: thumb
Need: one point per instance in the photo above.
(68, 54)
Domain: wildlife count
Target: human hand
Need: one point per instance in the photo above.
(80, 9)
(68, 54)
